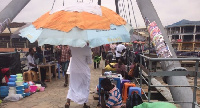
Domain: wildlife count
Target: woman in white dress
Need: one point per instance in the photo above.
(79, 84)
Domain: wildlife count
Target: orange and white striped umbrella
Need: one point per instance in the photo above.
(79, 24)
(66, 20)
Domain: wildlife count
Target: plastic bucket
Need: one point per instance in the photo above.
(33, 88)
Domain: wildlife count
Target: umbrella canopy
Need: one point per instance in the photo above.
(78, 25)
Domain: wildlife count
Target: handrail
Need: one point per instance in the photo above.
(170, 59)
(150, 74)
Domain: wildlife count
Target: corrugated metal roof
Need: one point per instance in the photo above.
(184, 23)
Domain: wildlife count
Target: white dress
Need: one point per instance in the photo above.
(68, 72)
(79, 85)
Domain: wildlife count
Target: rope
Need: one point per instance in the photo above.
(53, 4)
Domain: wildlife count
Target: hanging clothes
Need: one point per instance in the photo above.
(79, 85)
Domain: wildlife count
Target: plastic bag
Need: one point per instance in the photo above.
(13, 97)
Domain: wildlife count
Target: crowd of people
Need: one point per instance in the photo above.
(80, 71)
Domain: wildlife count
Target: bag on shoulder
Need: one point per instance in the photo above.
(133, 100)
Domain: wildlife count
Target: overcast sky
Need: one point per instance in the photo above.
(169, 11)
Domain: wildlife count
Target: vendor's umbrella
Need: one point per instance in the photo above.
(79, 24)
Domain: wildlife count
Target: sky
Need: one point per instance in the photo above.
(169, 11)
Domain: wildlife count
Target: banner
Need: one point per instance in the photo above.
(157, 39)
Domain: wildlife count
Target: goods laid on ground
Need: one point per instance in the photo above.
(20, 86)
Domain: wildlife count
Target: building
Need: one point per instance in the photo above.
(184, 35)
(10, 40)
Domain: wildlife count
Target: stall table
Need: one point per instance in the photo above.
(49, 72)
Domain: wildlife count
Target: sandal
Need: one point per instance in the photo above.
(86, 106)
(67, 105)
(65, 85)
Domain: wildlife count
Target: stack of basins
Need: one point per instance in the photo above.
(12, 84)
(20, 86)
(4, 91)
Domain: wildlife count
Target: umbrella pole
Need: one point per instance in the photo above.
(99, 2)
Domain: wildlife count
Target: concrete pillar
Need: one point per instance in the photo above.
(194, 37)
(195, 28)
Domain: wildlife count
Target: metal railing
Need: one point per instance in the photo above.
(151, 73)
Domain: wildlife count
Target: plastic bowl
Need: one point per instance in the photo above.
(12, 79)
(19, 75)
(20, 87)
(11, 84)
(20, 91)
(19, 78)
(38, 85)
(33, 88)
(19, 83)
(13, 76)
(26, 90)
(25, 85)
(27, 94)
(23, 95)
(42, 89)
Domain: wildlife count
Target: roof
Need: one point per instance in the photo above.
(184, 22)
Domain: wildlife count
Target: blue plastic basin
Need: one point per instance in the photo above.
(27, 94)
(11, 84)
(20, 91)
(13, 76)
(19, 87)
(25, 85)
(12, 79)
